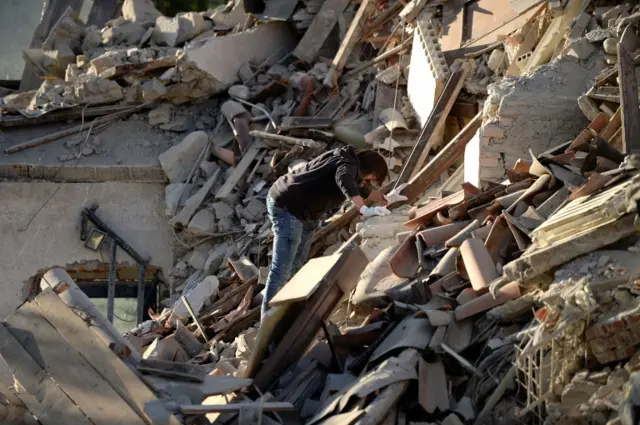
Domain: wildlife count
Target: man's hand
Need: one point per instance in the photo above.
(371, 211)
(377, 197)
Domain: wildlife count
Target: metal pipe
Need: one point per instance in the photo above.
(140, 301)
(272, 122)
(111, 290)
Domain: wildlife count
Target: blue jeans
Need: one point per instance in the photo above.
(291, 244)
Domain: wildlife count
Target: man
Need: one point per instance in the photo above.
(298, 200)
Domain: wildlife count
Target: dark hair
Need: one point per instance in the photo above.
(371, 162)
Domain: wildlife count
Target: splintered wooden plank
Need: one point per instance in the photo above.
(97, 399)
(433, 126)
(38, 392)
(350, 40)
(112, 369)
(629, 92)
(306, 281)
(321, 26)
(240, 171)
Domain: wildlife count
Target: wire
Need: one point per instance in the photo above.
(397, 89)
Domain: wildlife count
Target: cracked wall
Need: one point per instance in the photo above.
(133, 210)
(536, 112)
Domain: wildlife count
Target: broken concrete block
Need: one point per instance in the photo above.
(208, 168)
(254, 211)
(452, 419)
(179, 159)
(216, 258)
(203, 222)
(128, 34)
(495, 59)
(580, 49)
(198, 256)
(611, 46)
(172, 194)
(196, 297)
(162, 115)
(175, 31)
(92, 39)
(270, 40)
(167, 349)
(464, 407)
(140, 11)
(226, 224)
(223, 210)
(153, 90)
(240, 91)
(108, 60)
(178, 123)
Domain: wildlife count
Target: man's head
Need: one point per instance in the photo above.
(373, 167)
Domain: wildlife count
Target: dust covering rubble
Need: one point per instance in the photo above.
(504, 290)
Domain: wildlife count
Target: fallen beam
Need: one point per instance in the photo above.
(443, 160)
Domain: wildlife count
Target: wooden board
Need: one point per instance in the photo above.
(443, 160)
(52, 406)
(629, 92)
(112, 369)
(240, 171)
(97, 399)
(301, 286)
(349, 42)
(433, 125)
(613, 126)
(307, 324)
(321, 26)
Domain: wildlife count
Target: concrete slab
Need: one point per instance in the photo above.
(125, 151)
(52, 238)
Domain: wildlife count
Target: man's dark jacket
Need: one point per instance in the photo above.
(320, 185)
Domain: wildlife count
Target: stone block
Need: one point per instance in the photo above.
(203, 222)
(221, 57)
(175, 31)
(581, 49)
(179, 159)
(140, 11)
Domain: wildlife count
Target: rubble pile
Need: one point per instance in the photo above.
(478, 301)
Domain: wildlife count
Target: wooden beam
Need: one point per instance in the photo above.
(201, 409)
(443, 160)
(194, 202)
(97, 399)
(320, 28)
(433, 125)
(306, 143)
(304, 328)
(38, 392)
(629, 92)
(239, 171)
(350, 40)
(110, 367)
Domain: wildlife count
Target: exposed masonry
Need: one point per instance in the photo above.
(534, 112)
(427, 38)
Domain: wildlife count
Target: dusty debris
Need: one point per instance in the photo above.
(505, 285)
